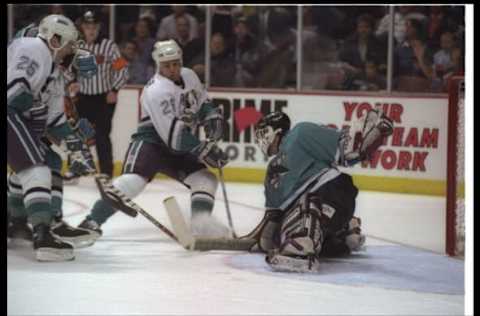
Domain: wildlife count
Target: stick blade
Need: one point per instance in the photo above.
(114, 197)
(178, 223)
(233, 244)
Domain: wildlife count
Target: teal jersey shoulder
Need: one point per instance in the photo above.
(305, 151)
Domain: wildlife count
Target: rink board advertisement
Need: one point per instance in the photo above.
(412, 160)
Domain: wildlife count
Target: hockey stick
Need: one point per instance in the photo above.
(189, 242)
(227, 204)
(119, 201)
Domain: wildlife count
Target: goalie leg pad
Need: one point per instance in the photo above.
(281, 263)
(269, 235)
(301, 233)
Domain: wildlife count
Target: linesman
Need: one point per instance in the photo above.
(98, 95)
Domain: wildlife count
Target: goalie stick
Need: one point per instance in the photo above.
(119, 201)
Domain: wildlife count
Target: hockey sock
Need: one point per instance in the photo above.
(57, 194)
(101, 211)
(202, 203)
(15, 198)
(36, 182)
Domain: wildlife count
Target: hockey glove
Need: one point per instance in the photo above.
(81, 158)
(212, 121)
(211, 154)
(188, 117)
(213, 129)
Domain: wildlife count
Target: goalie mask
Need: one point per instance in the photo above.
(271, 125)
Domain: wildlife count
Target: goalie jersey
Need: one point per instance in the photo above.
(35, 86)
(307, 153)
(172, 112)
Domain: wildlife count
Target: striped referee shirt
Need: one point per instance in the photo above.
(112, 72)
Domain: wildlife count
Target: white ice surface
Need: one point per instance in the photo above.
(135, 269)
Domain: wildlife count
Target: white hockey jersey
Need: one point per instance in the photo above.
(30, 68)
(171, 113)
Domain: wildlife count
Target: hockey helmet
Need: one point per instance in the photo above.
(166, 51)
(272, 124)
(56, 24)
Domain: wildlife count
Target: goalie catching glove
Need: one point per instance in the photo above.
(211, 154)
(376, 127)
(81, 159)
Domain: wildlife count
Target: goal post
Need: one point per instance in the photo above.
(455, 191)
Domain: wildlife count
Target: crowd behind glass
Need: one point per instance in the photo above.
(343, 47)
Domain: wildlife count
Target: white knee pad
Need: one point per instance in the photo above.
(36, 182)
(14, 184)
(130, 184)
(202, 181)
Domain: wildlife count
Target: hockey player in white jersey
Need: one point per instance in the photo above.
(35, 89)
(18, 230)
(173, 104)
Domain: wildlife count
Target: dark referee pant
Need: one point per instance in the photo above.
(96, 109)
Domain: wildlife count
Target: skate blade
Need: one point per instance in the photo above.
(289, 264)
(53, 255)
(79, 242)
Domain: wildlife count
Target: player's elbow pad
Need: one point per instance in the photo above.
(21, 102)
(61, 131)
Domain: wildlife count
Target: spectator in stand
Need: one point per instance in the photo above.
(222, 64)
(402, 14)
(144, 40)
(190, 47)
(246, 52)
(458, 67)
(139, 72)
(278, 66)
(437, 24)
(413, 60)
(168, 29)
(417, 13)
(321, 68)
(56, 9)
(370, 79)
(363, 46)
(443, 61)
(222, 21)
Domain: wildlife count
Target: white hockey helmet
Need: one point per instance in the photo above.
(166, 51)
(56, 24)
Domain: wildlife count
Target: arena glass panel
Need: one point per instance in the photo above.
(253, 47)
(428, 48)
